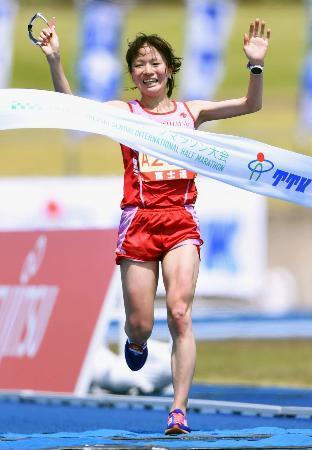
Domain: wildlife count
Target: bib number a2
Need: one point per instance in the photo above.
(153, 169)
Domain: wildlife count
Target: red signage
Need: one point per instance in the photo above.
(52, 288)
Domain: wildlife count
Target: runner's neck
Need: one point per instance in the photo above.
(157, 105)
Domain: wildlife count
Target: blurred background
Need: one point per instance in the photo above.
(44, 172)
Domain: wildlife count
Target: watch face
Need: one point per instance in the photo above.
(256, 70)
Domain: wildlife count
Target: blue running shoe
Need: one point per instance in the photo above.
(135, 355)
(177, 423)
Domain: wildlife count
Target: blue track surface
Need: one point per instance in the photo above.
(30, 418)
(31, 425)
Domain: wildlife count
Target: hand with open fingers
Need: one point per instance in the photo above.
(49, 42)
(256, 42)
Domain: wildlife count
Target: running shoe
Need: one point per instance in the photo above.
(177, 423)
(135, 355)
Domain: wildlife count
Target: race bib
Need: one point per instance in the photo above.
(153, 169)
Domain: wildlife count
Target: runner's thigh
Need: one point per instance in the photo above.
(139, 284)
(180, 270)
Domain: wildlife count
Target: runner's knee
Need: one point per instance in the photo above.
(179, 319)
(138, 329)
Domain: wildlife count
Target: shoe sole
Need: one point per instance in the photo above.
(175, 430)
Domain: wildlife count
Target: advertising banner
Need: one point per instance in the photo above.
(208, 26)
(8, 9)
(99, 68)
(54, 289)
(305, 98)
(233, 226)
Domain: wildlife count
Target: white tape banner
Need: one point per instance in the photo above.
(238, 161)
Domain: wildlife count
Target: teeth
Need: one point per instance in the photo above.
(153, 80)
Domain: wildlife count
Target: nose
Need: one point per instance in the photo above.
(148, 69)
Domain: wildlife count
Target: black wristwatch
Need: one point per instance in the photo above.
(256, 69)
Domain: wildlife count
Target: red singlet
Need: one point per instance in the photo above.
(149, 182)
(158, 213)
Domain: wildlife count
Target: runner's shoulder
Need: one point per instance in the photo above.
(196, 106)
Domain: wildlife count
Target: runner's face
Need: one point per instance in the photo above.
(150, 72)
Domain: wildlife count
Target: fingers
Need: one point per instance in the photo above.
(52, 23)
(251, 30)
(45, 36)
(47, 33)
(257, 29)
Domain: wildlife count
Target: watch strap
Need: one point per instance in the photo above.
(256, 69)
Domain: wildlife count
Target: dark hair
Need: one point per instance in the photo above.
(163, 47)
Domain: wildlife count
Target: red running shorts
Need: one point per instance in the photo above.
(147, 234)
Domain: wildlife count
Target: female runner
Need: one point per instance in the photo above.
(158, 222)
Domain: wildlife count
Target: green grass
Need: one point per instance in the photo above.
(255, 362)
(278, 362)
(50, 152)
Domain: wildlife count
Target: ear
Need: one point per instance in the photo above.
(169, 72)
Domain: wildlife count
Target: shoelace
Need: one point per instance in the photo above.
(177, 417)
(136, 348)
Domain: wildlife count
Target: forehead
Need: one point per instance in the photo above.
(148, 52)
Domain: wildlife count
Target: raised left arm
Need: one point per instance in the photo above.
(255, 48)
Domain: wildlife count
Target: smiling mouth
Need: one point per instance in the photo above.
(150, 81)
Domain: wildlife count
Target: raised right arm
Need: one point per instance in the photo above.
(51, 48)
